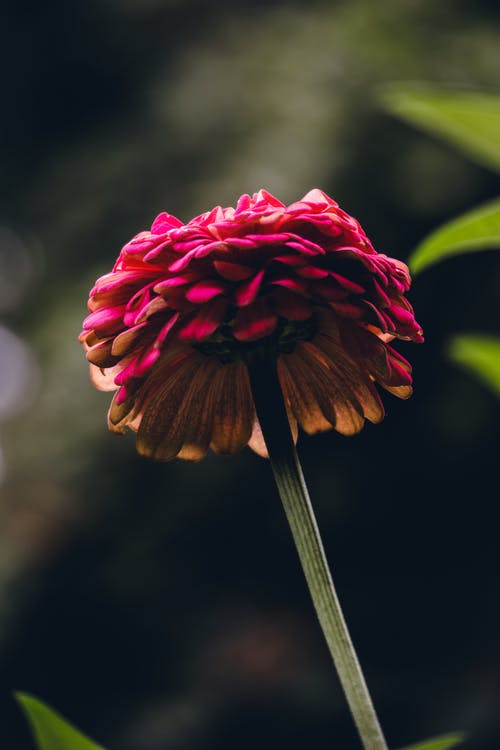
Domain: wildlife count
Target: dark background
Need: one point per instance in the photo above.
(162, 606)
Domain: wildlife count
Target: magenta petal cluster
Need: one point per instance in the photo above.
(169, 327)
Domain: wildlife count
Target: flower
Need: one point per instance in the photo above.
(170, 327)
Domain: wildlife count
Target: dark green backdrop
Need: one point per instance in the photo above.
(162, 606)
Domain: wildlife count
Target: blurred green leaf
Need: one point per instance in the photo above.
(478, 229)
(469, 120)
(444, 742)
(480, 354)
(50, 730)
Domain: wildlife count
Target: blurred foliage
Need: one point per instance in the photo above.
(446, 742)
(480, 355)
(50, 730)
(470, 121)
(476, 230)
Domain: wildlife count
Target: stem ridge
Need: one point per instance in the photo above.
(289, 478)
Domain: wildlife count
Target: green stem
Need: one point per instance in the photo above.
(292, 488)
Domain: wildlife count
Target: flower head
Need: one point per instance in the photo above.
(171, 326)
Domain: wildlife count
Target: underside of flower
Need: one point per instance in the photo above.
(171, 328)
(225, 346)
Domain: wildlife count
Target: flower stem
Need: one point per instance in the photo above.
(292, 488)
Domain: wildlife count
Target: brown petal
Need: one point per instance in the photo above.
(234, 411)
(369, 348)
(88, 339)
(166, 410)
(100, 354)
(179, 413)
(294, 378)
(104, 379)
(126, 340)
(256, 442)
(401, 391)
(128, 413)
(123, 415)
(353, 374)
(335, 398)
(199, 407)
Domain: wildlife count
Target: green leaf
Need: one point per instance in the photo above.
(50, 730)
(478, 229)
(444, 742)
(480, 354)
(469, 120)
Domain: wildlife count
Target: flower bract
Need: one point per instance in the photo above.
(171, 327)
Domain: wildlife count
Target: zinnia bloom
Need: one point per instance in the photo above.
(171, 326)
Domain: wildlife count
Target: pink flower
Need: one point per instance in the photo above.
(170, 326)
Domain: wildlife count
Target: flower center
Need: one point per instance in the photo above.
(227, 348)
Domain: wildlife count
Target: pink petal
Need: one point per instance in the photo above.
(276, 238)
(380, 319)
(106, 321)
(164, 222)
(157, 250)
(289, 305)
(174, 281)
(243, 203)
(244, 243)
(401, 315)
(294, 285)
(232, 271)
(246, 294)
(204, 291)
(384, 299)
(347, 310)
(306, 248)
(156, 305)
(210, 217)
(146, 362)
(181, 263)
(187, 246)
(319, 198)
(128, 371)
(289, 259)
(166, 330)
(205, 322)
(121, 395)
(329, 290)
(254, 322)
(351, 286)
(311, 272)
(263, 196)
(121, 279)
